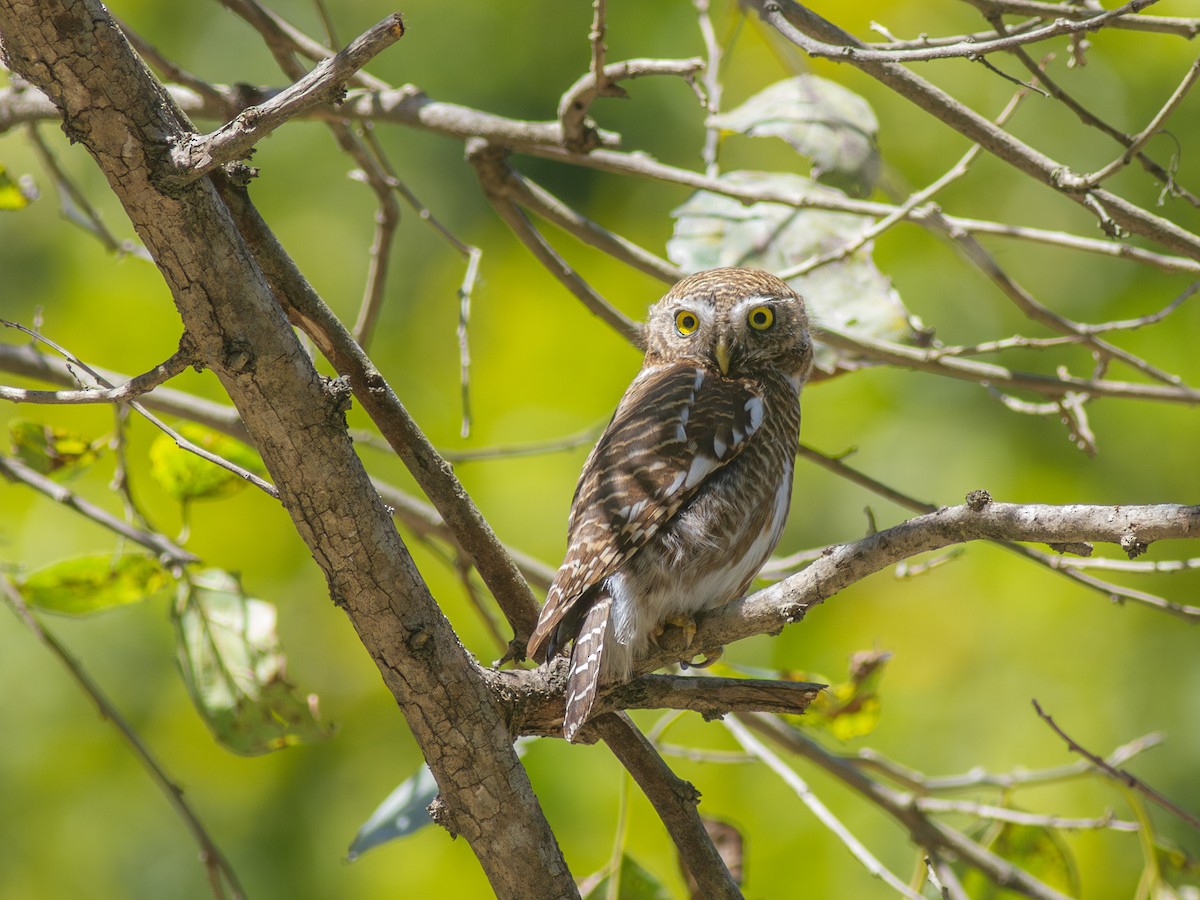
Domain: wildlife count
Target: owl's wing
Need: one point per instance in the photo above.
(675, 427)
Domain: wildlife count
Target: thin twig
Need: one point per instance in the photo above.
(873, 866)
(182, 442)
(1152, 128)
(929, 360)
(1129, 780)
(491, 167)
(1019, 817)
(577, 99)
(170, 553)
(930, 834)
(134, 387)
(220, 872)
(74, 204)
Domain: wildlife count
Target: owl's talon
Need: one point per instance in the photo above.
(707, 661)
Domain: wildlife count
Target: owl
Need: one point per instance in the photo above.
(685, 494)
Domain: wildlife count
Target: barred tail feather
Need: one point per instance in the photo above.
(587, 658)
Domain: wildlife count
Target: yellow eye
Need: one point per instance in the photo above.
(686, 322)
(761, 318)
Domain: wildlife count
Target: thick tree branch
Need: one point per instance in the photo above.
(74, 52)
(434, 475)
(1133, 528)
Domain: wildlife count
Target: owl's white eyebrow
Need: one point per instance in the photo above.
(758, 300)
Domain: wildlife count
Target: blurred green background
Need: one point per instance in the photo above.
(973, 641)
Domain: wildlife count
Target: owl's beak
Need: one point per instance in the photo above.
(721, 352)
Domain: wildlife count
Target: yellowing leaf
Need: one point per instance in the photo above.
(852, 708)
(186, 476)
(16, 194)
(49, 450)
(235, 669)
(88, 584)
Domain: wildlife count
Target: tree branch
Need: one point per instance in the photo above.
(675, 801)
(168, 553)
(1126, 778)
(220, 872)
(197, 155)
(1133, 528)
(73, 51)
(434, 475)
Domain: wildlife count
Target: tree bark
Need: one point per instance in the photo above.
(109, 101)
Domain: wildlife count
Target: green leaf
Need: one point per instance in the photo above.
(405, 810)
(88, 584)
(833, 127)
(16, 194)
(852, 708)
(49, 450)
(186, 476)
(634, 883)
(849, 295)
(1038, 850)
(235, 669)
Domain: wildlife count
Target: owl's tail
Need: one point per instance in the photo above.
(587, 663)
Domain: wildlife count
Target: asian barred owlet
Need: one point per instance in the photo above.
(686, 492)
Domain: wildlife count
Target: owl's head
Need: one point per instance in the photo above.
(735, 321)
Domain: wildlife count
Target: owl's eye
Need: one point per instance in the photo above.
(686, 322)
(761, 318)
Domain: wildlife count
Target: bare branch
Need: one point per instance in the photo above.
(198, 155)
(930, 834)
(168, 552)
(1121, 775)
(820, 810)
(815, 35)
(1018, 817)
(433, 474)
(675, 801)
(490, 164)
(1155, 125)
(220, 871)
(782, 604)
(535, 696)
(932, 360)
(970, 49)
(179, 361)
(1177, 25)
(573, 108)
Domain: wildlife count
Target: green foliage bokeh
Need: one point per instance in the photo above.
(972, 641)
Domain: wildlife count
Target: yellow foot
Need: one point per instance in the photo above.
(675, 634)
